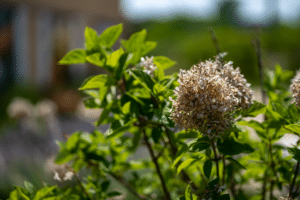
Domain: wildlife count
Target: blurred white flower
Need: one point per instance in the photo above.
(46, 108)
(20, 108)
(61, 172)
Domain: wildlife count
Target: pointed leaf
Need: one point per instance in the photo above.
(185, 164)
(207, 167)
(91, 39)
(110, 35)
(97, 82)
(163, 62)
(76, 56)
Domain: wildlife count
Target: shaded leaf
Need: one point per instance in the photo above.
(185, 164)
(207, 167)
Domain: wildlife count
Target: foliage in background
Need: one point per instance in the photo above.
(187, 41)
(183, 164)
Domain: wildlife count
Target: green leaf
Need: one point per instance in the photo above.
(185, 164)
(187, 135)
(295, 153)
(43, 192)
(110, 35)
(121, 129)
(137, 136)
(180, 153)
(104, 185)
(96, 59)
(126, 108)
(145, 79)
(76, 56)
(97, 81)
(105, 112)
(207, 167)
(163, 62)
(113, 58)
(212, 183)
(73, 141)
(235, 162)
(224, 197)
(91, 39)
(255, 109)
(133, 44)
(92, 103)
(63, 157)
(293, 128)
(201, 144)
(188, 193)
(231, 147)
(156, 133)
(147, 47)
(21, 195)
(13, 195)
(123, 63)
(113, 194)
(279, 109)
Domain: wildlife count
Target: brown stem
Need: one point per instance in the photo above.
(127, 186)
(214, 39)
(264, 189)
(224, 169)
(154, 159)
(271, 189)
(257, 45)
(291, 195)
(81, 186)
(216, 158)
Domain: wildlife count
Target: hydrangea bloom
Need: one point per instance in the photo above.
(295, 89)
(207, 95)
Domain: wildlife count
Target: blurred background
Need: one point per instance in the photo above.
(39, 98)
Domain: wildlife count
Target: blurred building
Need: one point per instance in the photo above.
(36, 34)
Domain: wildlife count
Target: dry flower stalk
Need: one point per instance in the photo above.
(208, 95)
(295, 89)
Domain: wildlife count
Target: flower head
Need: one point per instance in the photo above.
(207, 95)
(147, 65)
(295, 89)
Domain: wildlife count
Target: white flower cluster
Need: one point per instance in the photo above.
(61, 172)
(147, 65)
(207, 95)
(22, 108)
(295, 89)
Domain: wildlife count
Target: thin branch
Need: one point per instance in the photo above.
(291, 194)
(224, 169)
(257, 46)
(127, 186)
(216, 158)
(214, 39)
(154, 159)
(81, 186)
(120, 180)
(264, 188)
